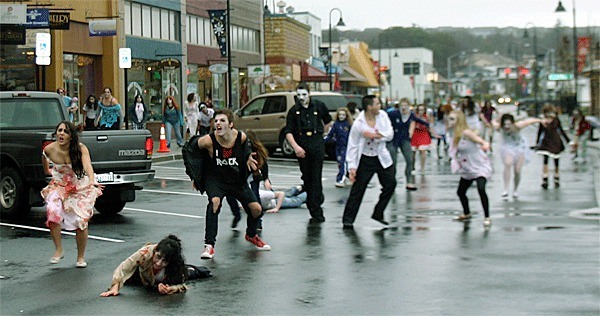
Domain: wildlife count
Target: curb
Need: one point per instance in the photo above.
(166, 157)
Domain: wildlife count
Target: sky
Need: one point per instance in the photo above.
(383, 14)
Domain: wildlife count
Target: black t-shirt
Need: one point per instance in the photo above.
(227, 163)
(301, 120)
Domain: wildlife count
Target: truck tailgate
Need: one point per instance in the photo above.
(118, 150)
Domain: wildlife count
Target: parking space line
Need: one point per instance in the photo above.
(172, 192)
(161, 213)
(63, 232)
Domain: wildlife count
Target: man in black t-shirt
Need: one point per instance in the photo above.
(306, 121)
(230, 160)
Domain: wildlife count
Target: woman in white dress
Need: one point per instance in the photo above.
(190, 109)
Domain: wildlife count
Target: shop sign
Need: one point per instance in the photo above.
(259, 70)
(218, 68)
(59, 21)
(38, 19)
(560, 76)
(169, 63)
(12, 35)
(42, 61)
(13, 13)
(103, 27)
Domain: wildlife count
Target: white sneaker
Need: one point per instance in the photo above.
(209, 252)
(505, 196)
(515, 195)
(340, 184)
(487, 222)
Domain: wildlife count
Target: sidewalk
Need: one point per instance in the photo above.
(174, 154)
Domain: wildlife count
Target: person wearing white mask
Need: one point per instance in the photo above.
(306, 121)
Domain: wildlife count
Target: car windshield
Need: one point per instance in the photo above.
(333, 102)
(31, 113)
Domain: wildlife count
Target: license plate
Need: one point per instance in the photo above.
(104, 177)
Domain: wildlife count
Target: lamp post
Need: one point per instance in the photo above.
(449, 60)
(535, 67)
(339, 23)
(560, 8)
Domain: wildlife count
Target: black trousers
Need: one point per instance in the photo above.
(311, 167)
(367, 167)
(464, 185)
(240, 192)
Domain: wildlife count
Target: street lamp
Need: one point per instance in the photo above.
(448, 60)
(560, 8)
(535, 66)
(339, 23)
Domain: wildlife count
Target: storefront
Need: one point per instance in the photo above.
(153, 80)
(80, 73)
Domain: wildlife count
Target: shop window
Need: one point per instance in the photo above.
(136, 17)
(128, 18)
(146, 22)
(156, 23)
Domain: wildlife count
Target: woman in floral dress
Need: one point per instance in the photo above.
(71, 194)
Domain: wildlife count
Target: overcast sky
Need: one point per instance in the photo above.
(361, 14)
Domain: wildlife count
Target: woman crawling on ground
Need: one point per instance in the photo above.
(159, 267)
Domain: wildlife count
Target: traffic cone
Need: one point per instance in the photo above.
(163, 141)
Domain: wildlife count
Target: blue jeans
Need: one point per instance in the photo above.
(293, 199)
(170, 126)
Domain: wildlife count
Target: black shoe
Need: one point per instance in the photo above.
(380, 219)
(411, 188)
(317, 219)
(545, 183)
(348, 226)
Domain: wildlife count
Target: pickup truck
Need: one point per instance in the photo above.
(121, 158)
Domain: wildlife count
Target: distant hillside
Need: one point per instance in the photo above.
(447, 41)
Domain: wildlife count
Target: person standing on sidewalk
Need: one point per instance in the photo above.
(226, 174)
(173, 120)
(470, 161)
(367, 154)
(306, 121)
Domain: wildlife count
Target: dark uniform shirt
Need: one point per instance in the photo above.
(307, 122)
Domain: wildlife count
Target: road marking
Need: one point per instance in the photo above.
(172, 192)
(161, 213)
(63, 232)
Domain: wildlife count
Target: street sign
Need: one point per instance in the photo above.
(42, 61)
(218, 68)
(560, 76)
(259, 70)
(124, 57)
(42, 44)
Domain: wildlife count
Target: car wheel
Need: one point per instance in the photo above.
(286, 148)
(110, 202)
(12, 193)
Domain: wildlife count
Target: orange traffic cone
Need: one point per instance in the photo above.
(163, 141)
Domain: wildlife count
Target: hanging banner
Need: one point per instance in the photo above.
(59, 21)
(218, 20)
(38, 19)
(583, 49)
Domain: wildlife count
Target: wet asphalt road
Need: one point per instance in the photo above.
(535, 259)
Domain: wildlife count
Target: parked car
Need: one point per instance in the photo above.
(121, 159)
(266, 115)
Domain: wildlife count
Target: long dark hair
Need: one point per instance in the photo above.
(170, 248)
(74, 149)
(93, 104)
(262, 154)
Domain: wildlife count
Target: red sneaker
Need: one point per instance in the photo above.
(209, 252)
(256, 241)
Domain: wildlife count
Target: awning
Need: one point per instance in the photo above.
(351, 75)
(312, 74)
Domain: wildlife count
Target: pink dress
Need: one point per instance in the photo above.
(69, 200)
